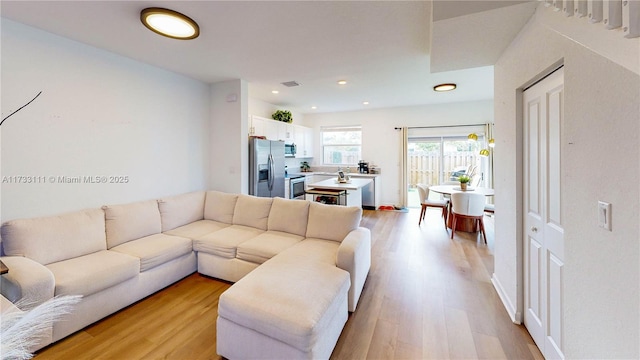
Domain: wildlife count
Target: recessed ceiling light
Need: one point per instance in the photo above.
(342, 82)
(314, 107)
(444, 87)
(275, 91)
(169, 23)
(365, 103)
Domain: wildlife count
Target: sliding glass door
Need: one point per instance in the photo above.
(433, 160)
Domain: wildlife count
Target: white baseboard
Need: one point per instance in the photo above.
(515, 316)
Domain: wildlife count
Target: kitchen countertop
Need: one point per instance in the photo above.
(333, 174)
(332, 184)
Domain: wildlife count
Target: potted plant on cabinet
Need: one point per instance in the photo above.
(464, 180)
(304, 166)
(282, 115)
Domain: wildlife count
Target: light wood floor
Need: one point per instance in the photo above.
(427, 297)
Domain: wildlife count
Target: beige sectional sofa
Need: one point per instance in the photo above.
(316, 259)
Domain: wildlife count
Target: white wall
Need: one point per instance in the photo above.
(99, 114)
(381, 143)
(229, 140)
(600, 153)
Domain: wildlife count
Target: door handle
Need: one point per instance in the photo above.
(534, 229)
(271, 169)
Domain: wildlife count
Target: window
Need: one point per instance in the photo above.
(341, 145)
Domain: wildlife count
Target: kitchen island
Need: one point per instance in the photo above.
(353, 190)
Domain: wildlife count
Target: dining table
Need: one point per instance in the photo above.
(467, 225)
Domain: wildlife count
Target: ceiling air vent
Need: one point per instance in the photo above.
(290, 83)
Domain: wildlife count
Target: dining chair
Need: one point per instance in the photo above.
(475, 181)
(468, 205)
(423, 192)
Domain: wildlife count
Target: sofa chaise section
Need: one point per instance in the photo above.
(342, 225)
(280, 312)
(296, 303)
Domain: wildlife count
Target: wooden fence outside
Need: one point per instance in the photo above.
(425, 168)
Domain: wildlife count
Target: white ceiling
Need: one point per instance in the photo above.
(390, 52)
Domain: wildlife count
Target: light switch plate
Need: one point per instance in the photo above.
(604, 215)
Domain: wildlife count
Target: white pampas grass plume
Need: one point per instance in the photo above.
(20, 331)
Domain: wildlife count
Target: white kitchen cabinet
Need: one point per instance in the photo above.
(308, 142)
(308, 180)
(303, 138)
(285, 132)
(264, 127)
(298, 139)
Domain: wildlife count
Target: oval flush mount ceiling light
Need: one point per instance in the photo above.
(169, 23)
(444, 87)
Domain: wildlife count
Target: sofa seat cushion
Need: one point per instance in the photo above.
(225, 242)
(318, 250)
(293, 306)
(197, 229)
(266, 245)
(157, 249)
(89, 274)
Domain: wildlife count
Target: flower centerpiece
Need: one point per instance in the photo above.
(282, 115)
(464, 180)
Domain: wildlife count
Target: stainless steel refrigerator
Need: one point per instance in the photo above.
(266, 168)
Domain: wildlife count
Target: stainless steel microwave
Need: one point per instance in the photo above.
(290, 150)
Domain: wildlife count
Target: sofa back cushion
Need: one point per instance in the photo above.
(181, 209)
(252, 211)
(219, 206)
(131, 221)
(56, 238)
(332, 222)
(289, 216)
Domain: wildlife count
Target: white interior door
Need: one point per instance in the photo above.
(544, 234)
